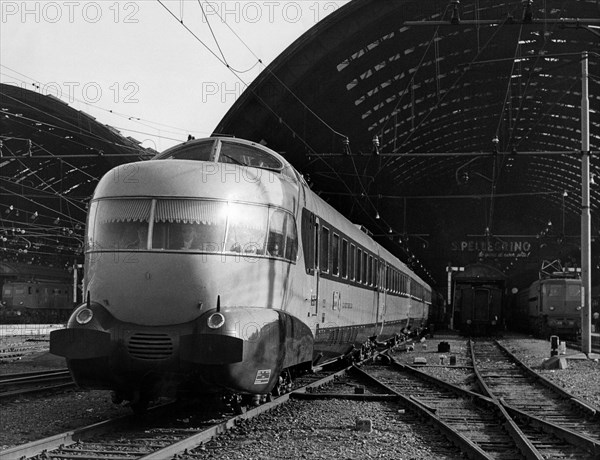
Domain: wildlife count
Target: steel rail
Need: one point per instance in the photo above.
(28, 383)
(17, 375)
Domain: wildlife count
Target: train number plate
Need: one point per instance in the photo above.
(262, 376)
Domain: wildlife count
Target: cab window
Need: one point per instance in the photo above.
(246, 229)
(192, 225)
(246, 155)
(199, 151)
(118, 224)
(189, 224)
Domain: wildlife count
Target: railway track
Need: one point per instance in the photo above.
(485, 426)
(26, 383)
(520, 388)
(479, 426)
(163, 432)
(472, 421)
(15, 352)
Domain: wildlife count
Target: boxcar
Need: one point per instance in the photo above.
(479, 300)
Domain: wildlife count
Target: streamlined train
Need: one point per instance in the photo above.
(550, 306)
(479, 299)
(214, 268)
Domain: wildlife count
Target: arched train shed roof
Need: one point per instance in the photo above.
(51, 158)
(477, 112)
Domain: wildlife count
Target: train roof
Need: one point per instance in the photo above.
(231, 150)
(356, 232)
(480, 272)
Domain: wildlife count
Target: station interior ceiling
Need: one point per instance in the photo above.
(451, 131)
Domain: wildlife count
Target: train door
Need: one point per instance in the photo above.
(311, 248)
(380, 276)
(314, 301)
(481, 304)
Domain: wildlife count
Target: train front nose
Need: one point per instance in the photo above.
(104, 353)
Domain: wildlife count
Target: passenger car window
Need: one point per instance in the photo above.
(324, 249)
(291, 239)
(335, 257)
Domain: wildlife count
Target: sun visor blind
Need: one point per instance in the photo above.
(125, 210)
(187, 211)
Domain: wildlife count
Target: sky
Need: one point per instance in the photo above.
(157, 70)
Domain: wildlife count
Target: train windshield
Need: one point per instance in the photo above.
(192, 225)
(246, 155)
(558, 292)
(574, 292)
(228, 151)
(199, 151)
(118, 225)
(554, 290)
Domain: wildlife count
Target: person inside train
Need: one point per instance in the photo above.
(141, 237)
(188, 237)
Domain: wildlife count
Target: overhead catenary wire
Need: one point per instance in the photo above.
(136, 119)
(236, 73)
(55, 192)
(311, 150)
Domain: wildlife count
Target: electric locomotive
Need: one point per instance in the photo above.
(551, 306)
(214, 268)
(36, 302)
(35, 294)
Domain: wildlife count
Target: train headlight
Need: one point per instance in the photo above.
(215, 321)
(84, 316)
(551, 308)
(469, 321)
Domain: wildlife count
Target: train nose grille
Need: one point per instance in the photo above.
(150, 346)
